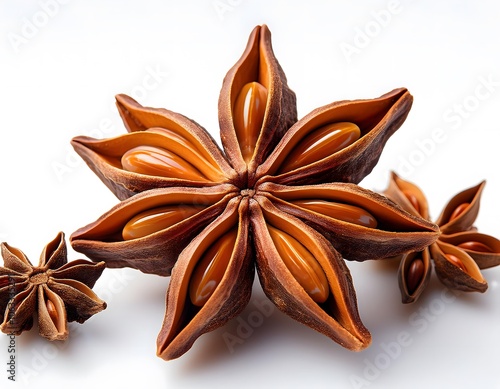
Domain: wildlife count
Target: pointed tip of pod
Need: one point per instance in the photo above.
(124, 103)
(126, 106)
(461, 211)
(363, 343)
(413, 275)
(338, 316)
(456, 269)
(78, 142)
(260, 28)
(123, 99)
(377, 120)
(257, 64)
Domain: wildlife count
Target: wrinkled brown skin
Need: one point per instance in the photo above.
(453, 233)
(257, 63)
(395, 190)
(181, 327)
(483, 260)
(453, 277)
(377, 118)
(155, 253)
(355, 242)
(250, 194)
(338, 317)
(68, 287)
(125, 184)
(407, 296)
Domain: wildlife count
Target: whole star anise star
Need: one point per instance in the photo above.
(460, 252)
(57, 291)
(282, 197)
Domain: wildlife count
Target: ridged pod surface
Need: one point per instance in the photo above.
(460, 251)
(281, 198)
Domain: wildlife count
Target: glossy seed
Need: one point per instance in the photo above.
(248, 114)
(157, 219)
(415, 274)
(211, 268)
(345, 212)
(180, 145)
(156, 161)
(458, 211)
(320, 144)
(51, 309)
(456, 261)
(476, 246)
(178, 142)
(412, 199)
(302, 264)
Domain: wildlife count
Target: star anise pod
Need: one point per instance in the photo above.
(460, 251)
(57, 291)
(282, 196)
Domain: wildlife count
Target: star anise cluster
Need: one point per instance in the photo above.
(55, 292)
(458, 254)
(280, 198)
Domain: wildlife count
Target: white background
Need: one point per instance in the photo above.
(61, 63)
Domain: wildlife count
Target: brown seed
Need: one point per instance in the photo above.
(320, 144)
(248, 112)
(51, 308)
(156, 161)
(191, 152)
(476, 246)
(345, 212)
(456, 261)
(157, 219)
(302, 264)
(415, 274)
(178, 143)
(458, 211)
(412, 199)
(211, 268)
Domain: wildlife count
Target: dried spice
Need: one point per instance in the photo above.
(57, 291)
(281, 197)
(460, 252)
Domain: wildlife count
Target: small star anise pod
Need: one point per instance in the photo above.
(281, 197)
(57, 291)
(460, 251)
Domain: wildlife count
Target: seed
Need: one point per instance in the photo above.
(476, 246)
(456, 261)
(345, 212)
(321, 143)
(156, 161)
(51, 309)
(191, 152)
(458, 211)
(248, 113)
(176, 139)
(157, 219)
(415, 274)
(211, 268)
(412, 199)
(302, 264)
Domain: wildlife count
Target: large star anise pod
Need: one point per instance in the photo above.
(57, 291)
(282, 196)
(460, 251)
